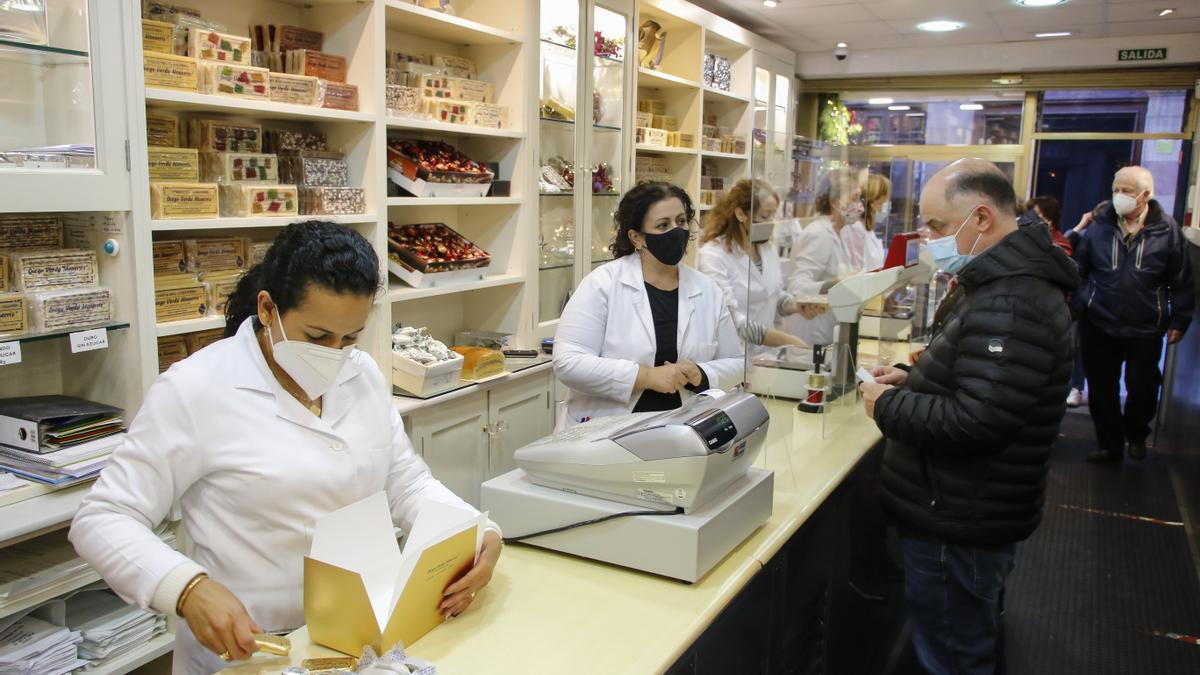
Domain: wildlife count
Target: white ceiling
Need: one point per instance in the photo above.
(818, 25)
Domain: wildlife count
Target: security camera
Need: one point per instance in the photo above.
(841, 52)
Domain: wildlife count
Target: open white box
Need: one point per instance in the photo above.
(423, 380)
(359, 589)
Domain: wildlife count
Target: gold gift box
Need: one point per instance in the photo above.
(179, 297)
(171, 350)
(169, 71)
(212, 254)
(14, 313)
(158, 36)
(162, 130)
(294, 89)
(71, 308)
(183, 200)
(51, 270)
(29, 232)
(169, 257)
(174, 164)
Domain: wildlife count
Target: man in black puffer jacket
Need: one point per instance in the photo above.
(970, 427)
(1137, 285)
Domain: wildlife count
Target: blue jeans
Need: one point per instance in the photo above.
(953, 594)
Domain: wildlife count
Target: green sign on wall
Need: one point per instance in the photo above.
(1152, 54)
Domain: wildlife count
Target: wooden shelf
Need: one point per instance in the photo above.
(660, 80)
(414, 124)
(405, 17)
(38, 507)
(250, 223)
(642, 147)
(190, 325)
(137, 658)
(724, 155)
(454, 201)
(711, 94)
(168, 99)
(400, 292)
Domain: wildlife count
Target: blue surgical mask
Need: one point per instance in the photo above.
(945, 250)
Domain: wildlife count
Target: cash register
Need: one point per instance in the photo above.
(668, 492)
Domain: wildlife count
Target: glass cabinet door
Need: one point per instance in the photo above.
(583, 147)
(62, 143)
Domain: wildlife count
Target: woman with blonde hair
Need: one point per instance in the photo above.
(749, 274)
(819, 257)
(864, 250)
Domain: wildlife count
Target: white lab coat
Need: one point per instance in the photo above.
(864, 250)
(751, 295)
(606, 332)
(818, 256)
(250, 470)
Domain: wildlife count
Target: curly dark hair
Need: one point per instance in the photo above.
(631, 212)
(309, 252)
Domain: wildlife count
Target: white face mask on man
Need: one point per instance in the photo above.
(1124, 204)
(314, 367)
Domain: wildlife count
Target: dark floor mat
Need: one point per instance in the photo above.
(1091, 587)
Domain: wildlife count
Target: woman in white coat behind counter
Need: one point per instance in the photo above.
(644, 332)
(748, 273)
(253, 439)
(819, 257)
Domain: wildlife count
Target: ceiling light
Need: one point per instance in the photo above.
(1040, 3)
(899, 107)
(842, 45)
(879, 101)
(1168, 10)
(914, 114)
(1063, 33)
(940, 26)
(771, 3)
(971, 106)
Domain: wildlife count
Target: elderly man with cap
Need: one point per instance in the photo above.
(970, 426)
(1137, 286)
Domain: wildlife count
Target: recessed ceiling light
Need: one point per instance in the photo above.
(1040, 3)
(940, 26)
(914, 114)
(899, 107)
(771, 3)
(971, 106)
(842, 45)
(879, 101)
(1166, 11)
(1064, 33)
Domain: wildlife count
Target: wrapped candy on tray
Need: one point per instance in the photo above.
(422, 365)
(432, 254)
(435, 169)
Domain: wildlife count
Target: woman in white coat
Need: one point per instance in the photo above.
(749, 274)
(644, 332)
(819, 257)
(250, 441)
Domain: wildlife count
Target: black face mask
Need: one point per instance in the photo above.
(668, 247)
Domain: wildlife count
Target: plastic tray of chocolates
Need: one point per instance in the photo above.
(435, 169)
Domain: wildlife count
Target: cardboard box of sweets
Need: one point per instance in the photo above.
(235, 167)
(162, 130)
(158, 36)
(14, 314)
(294, 89)
(179, 297)
(230, 79)
(70, 308)
(434, 247)
(49, 270)
(173, 164)
(171, 350)
(183, 200)
(30, 232)
(225, 136)
(435, 162)
(170, 257)
(168, 71)
(212, 254)
(242, 200)
(210, 45)
(339, 95)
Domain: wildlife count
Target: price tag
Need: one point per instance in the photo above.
(89, 340)
(10, 353)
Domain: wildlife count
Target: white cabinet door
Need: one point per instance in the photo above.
(453, 439)
(520, 413)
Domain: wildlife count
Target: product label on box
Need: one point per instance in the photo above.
(212, 46)
(403, 99)
(158, 36)
(295, 37)
(181, 201)
(30, 232)
(79, 308)
(236, 80)
(330, 67)
(488, 115)
(339, 96)
(173, 304)
(89, 340)
(56, 270)
(295, 89)
(13, 315)
(219, 254)
(169, 71)
(181, 164)
(162, 130)
(10, 353)
(169, 257)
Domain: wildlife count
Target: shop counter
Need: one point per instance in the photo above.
(546, 612)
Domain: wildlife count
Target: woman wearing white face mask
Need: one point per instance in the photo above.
(819, 257)
(251, 440)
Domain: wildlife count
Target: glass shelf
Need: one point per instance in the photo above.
(597, 127)
(559, 266)
(512, 365)
(39, 55)
(599, 57)
(26, 338)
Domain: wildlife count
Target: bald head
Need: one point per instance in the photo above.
(971, 200)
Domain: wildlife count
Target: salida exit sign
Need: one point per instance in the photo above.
(1152, 54)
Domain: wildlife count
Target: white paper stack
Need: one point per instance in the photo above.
(31, 646)
(67, 466)
(108, 626)
(9, 482)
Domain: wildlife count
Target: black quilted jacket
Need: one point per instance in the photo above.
(969, 434)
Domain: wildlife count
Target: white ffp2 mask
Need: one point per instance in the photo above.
(314, 367)
(1123, 204)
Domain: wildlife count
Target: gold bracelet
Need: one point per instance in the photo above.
(187, 590)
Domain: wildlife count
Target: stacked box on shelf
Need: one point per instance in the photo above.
(655, 127)
(717, 72)
(25, 232)
(322, 177)
(712, 186)
(652, 169)
(442, 88)
(428, 254)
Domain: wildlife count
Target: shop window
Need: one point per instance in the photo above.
(1113, 110)
(992, 119)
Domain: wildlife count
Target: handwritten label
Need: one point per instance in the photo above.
(10, 353)
(89, 340)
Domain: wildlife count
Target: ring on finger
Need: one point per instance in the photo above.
(226, 656)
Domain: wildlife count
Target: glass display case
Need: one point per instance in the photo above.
(583, 145)
(63, 108)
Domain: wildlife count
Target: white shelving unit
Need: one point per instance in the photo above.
(199, 224)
